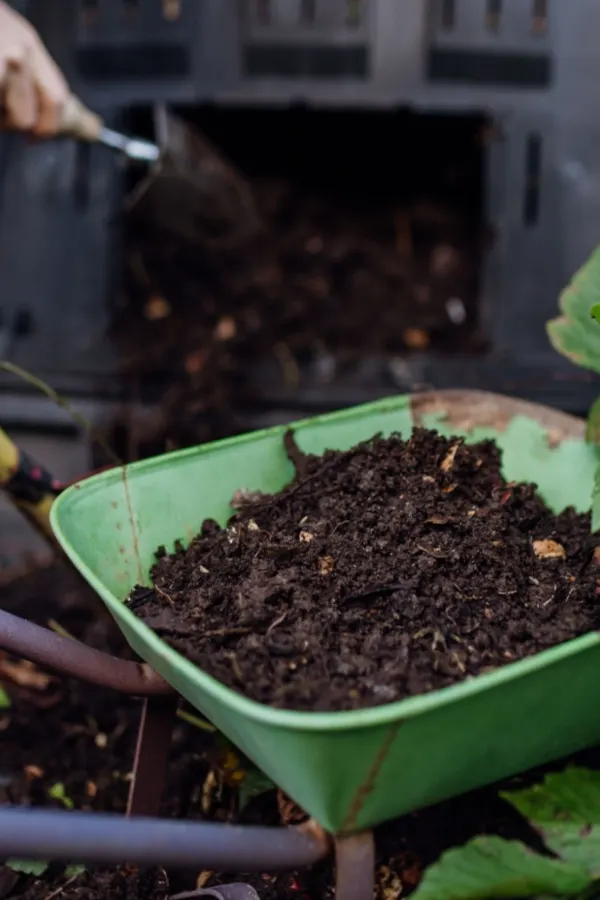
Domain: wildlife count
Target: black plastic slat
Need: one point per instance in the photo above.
(293, 61)
(134, 61)
(486, 68)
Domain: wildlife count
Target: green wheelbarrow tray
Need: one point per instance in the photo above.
(351, 770)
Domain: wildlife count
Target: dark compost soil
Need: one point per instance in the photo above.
(50, 735)
(386, 571)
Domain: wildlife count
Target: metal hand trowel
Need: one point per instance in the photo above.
(191, 192)
(82, 124)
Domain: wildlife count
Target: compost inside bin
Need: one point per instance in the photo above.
(372, 242)
(390, 570)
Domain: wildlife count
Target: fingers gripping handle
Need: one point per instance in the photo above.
(19, 96)
(79, 122)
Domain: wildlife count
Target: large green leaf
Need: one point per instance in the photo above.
(565, 810)
(490, 867)
(595, 526)
(574, 333)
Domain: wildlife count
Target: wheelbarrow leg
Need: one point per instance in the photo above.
(355, 866)
(151, 755)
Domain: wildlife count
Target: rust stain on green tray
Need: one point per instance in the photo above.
(368, 786)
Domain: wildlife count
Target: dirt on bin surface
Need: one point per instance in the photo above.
(50, 736)
(387, 571)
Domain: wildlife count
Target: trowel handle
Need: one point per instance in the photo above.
(29, 487)
(79, 122)
(76, 120)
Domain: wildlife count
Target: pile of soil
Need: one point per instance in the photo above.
(55, 728)
(390, 570)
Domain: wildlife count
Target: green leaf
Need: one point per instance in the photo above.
(490, 867)
(565, 810)
(196, 721)
(38, 867)
(57, 792)
(254, 784)
(596, 312)
(592, 428)
(27, 866)
(595, 525)
(572, 333)
(74, 871)
(5, 701)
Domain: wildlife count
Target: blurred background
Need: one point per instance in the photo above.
(421, 178)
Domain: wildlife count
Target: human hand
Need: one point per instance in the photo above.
(33, 90)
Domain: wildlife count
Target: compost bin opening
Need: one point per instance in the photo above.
(374, 220)
(372, 244)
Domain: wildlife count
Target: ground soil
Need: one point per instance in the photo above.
(51, 733)
(391, 570)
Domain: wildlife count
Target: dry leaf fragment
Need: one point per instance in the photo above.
(306, 537)
(326, 565)
(91, 789)
(157, 308)
(547, 549)
(444, 260)
(416, 338)
(209, 789)
(244, 497)
(33, 772)
(448, 460)
(203, 879)
(252, 526)
(597, 556)
(289, 812)
(389, 884)
(226, 329)
(25, 674)
(194, 362)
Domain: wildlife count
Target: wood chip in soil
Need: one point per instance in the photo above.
(387, 571)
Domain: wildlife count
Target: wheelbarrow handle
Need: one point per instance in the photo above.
(73, 658)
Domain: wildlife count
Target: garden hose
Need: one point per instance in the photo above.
(30, 488)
